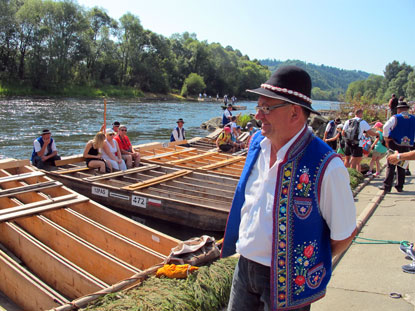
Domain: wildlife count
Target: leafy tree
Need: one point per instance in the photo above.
(193, 85)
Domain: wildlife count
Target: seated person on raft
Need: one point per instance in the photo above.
(92, 154)
(44, 150)
(128, 154)
(111, 152)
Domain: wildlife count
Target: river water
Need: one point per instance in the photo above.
(75, 121)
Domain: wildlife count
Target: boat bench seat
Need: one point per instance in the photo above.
(70, 160)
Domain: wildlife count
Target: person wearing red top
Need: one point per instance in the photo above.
(127, 152)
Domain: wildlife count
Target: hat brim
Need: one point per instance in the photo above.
(289, 98)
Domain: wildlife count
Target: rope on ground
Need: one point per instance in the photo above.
(376, 241)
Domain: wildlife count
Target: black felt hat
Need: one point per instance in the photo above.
(288, 83)
(180, 120)
(402, 105)
(45, 131)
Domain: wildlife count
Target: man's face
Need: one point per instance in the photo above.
(273, 124)
(46, 136)
(180, 124)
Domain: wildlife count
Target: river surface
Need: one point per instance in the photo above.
(75, 121)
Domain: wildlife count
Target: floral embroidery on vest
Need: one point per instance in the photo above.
(282, 235)
(305, 257)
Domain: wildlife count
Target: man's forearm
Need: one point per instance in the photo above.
(338, 247)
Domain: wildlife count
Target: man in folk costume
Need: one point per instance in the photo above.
(178, 134)
(399, 134)
(293, 209)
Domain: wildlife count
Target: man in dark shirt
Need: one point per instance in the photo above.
(393, 103)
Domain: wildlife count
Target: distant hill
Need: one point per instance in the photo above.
(329, 79)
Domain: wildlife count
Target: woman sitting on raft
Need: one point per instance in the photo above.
(111, 152)
(93, 157)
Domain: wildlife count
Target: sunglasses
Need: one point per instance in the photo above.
(112, 134)
(123, 130)
(267, 110)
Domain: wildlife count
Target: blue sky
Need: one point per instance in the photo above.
(355, 34)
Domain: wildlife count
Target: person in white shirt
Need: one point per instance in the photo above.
(354, 149)
(293, 194)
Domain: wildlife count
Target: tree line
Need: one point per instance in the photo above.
(397, 79)
(49, 45)
(329, 83)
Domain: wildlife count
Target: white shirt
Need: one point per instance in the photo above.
(255, 231)
(363, 126)
(38, 147)
(178, 136)
(227, 114)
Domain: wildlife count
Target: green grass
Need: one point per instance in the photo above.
(72, 91)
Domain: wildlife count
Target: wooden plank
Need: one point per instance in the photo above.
(156, 180)
(73, 170)
(36, 210)
(122, 173)
(29, 188)
(21, 176)
(23, 290)
(144, 235)
(192, 158)
(52, 268)
(177, 143)
(169, 154)
(222, 163)
(70, 160)
(13, 163)
(37, 204)
(110, 242)
(100, 264)
(215, 133)
(148, 146)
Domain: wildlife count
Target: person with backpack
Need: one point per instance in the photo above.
(353, 133)
(330, 132)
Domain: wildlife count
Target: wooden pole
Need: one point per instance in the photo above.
(105, 115)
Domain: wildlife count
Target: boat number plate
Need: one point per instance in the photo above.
(139, 201)
(100, 191)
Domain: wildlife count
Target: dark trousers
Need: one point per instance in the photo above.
(37, 161)
(332, 144)
(390, 170)
(251, 287)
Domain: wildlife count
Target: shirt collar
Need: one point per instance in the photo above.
(266, 143)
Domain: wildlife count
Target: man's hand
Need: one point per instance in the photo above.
(393, 158)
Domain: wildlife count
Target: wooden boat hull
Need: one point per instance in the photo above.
(180, 196)
(235, 107)
(56, 245)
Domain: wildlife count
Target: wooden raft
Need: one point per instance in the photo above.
(57, 245)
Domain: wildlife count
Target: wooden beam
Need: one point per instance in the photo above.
(177, 143)
(21, 176)
(83, 254)
(37, 204)
(48, 265)
(36, 210)
(168, 154)
(148, 146)
(100, 236)
(13, 163)
(29, 188)
(70, 160)
(22, 289)
(73, 170)
(222, 163)
(122, 173)
(156, 180)
(135, 231)
(192, 158)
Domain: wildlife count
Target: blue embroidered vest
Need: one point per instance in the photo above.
(225, 120)
(178, 134)
(301, 252)
(404, 129)
(41, 142)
